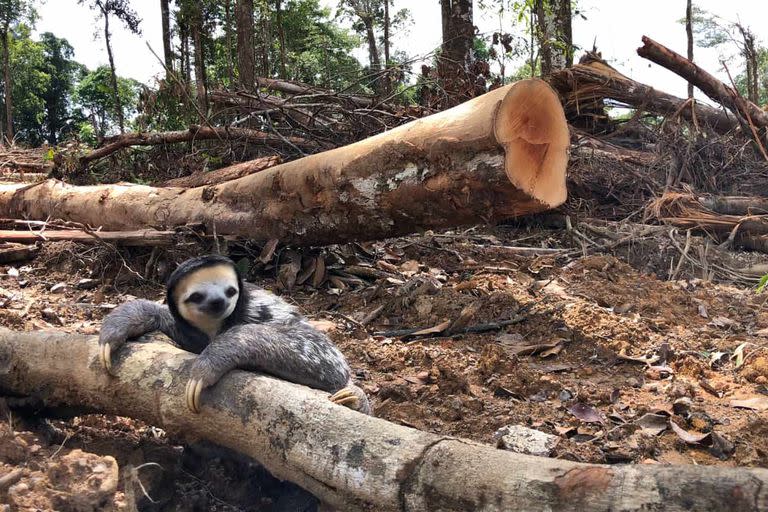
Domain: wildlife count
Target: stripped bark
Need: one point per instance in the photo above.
(498, 156)
(711, 86)
(350, 460)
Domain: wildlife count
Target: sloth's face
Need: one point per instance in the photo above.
(206, 297)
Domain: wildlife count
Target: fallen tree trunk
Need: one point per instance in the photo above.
(294, 88)
(194, 133)
(709, 85)
(689, 212)
(497, 156)
(141, 238)
(594, 80)
(229, 173)
(736, 205)
(349, 460)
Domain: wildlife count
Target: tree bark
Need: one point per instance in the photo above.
(711, 86)
(184, 59)
(553, 21)
(689, 35)
(386, 33)
(246, 60)
(582, 85)
(229, 173)
(113, 74)
(281, 39)
(194, 133)
(200, 79)
(456, 57)
(165, 17)
(8, 85)
(228, 39)
(501, 155)
(349, 460)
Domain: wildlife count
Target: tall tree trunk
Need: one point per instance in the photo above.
(113, 75)
(266, 41)
(246, 61)
(197, 40)
(281, 38)
(689, 34)
(184, 59)
(373, 51)
(228, 36)
(553, 30)
(167, 48)
(8, 86)
(454, 65)
(386, 33)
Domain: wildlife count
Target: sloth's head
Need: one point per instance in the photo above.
(205, 291)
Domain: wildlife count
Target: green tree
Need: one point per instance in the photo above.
(30, 83)
(63, 72)
(121, 10)
(12, 12)
(94, 95)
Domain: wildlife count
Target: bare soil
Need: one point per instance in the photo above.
(590, 346)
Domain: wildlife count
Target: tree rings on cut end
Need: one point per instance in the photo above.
(530, 124)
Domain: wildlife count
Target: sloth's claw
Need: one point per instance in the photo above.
(192, 394)
(346, 397)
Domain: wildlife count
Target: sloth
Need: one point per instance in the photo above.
(231, 324)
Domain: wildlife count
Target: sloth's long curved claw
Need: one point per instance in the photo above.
(346, 397)
(105, 353)
(192, 394)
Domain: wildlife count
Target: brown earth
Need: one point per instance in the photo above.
(592, 346)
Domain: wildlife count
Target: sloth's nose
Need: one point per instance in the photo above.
(216, 305)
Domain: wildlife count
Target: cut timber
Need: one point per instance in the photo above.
(497, 156)
(11, 253)
(593, 80)
(350, 460)
(709, 85)
(229, 173)
(144, 237)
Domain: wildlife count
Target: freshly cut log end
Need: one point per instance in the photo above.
(530, 124)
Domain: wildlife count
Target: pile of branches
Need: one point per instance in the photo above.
(327, 118)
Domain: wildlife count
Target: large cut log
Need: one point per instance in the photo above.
(497, 156)
(350, 460)
(709, 85)
(593, 80)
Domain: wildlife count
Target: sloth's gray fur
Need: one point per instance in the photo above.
(269, 336)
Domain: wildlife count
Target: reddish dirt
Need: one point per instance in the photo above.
(579, 333)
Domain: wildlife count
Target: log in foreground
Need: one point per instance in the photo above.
(497, 156)
(350, 460)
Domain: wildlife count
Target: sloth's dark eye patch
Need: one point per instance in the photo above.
(231, 291)
(196, 298)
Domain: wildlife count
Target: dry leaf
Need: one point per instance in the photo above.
(585, 413)
(756, 403)
(437, 329)
(319, 275)
(465, 316)
(738, 354)
(268, 252)
(653, 424)
(688, 437)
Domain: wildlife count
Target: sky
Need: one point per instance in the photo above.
(615, 25)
